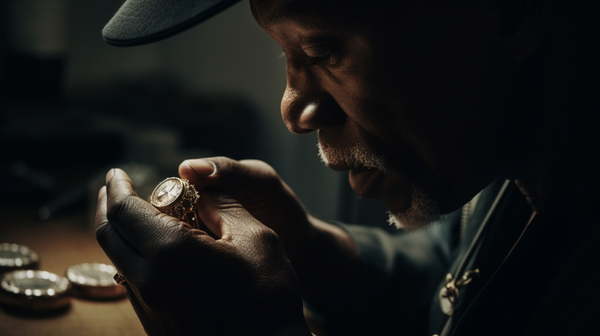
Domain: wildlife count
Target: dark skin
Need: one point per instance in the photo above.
(419, 84)
(243, 276)
(429, 111)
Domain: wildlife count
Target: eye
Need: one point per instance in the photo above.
(331, 58)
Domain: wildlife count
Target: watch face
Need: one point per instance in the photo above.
(167, 192)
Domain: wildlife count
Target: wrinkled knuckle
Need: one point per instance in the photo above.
(223, 163)
(267, 247)
(228, 166)
(227, 201)
(266, 236)
(263, 171)
(119, 207)
(169, 243)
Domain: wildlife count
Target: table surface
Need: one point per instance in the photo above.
(62, 243)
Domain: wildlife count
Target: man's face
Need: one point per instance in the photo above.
(401, 95)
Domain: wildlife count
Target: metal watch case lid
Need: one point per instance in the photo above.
(167, 193)
(175, 197)
(35, 291)
(95, 281)
(15, 256)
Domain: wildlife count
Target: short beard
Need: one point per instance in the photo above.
(421, 212)
(355, 156)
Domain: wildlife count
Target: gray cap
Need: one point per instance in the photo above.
(144, 21)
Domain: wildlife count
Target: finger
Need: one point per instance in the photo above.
(228, 175)
(138, 222)
(200, 167)
(124, 256)
(114, 245)
(109, 175)
(228, 219)
(100, 218)
(121, 185)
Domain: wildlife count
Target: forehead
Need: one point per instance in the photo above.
(307, 12)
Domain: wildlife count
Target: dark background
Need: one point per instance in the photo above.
(72, 106)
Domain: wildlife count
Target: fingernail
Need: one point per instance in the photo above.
(110, 174)
(101, 192)
(202, 167)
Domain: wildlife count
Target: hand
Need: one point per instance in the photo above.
(324, 256)
(181, 281)
(260, 191)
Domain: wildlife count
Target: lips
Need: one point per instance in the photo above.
(338, 167)
(366, 182)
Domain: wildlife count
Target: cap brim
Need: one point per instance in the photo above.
(144, 21)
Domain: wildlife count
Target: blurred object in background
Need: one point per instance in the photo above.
(153, 105)
(14, 257)
(54, 146)
(52, 156)
(36, 50)
(74, 107)
(46, 152)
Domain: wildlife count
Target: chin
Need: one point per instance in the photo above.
(421, 212)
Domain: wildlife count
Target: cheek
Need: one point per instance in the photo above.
(380, 121)
(431, 132)
(433, 95)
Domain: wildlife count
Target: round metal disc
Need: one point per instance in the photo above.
(36, 291)
(95, 281)
(167, 193)
(15, 256)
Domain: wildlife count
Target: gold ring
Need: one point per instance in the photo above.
(119, 279)
(176, 197)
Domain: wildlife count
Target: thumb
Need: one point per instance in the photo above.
(241, 179)
(224, 216)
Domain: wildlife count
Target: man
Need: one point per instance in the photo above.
(426, 103)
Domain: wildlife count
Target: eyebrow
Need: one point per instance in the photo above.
(314, 39)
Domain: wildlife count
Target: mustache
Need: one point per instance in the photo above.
(358, 155)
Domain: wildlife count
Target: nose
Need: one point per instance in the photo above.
(306, 107)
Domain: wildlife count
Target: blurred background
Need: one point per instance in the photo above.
(73, 106)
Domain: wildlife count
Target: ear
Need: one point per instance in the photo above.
(519, 27)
